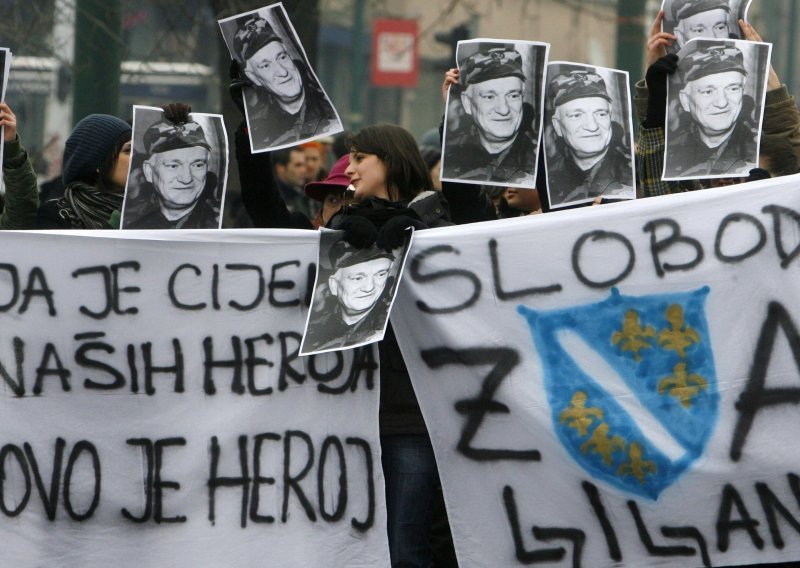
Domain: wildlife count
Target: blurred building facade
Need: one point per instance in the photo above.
(171, 50)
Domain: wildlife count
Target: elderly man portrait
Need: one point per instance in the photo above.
(358, 299)
(179, 190)
(590, 156)
(287, 104)
(716, 133)
(710, 19)
(496, 141)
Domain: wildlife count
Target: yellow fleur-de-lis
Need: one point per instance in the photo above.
(682, 385)
(578, 415)
(633, 337)
(603, 444)
(637, 466)
(681, 336)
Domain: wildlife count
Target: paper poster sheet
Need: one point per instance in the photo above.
(715, 108)
(353, 294)
(285, 104)
(492, 129)
(588, 134)
(709, 19)
(178, 172)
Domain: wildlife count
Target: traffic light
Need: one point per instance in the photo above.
(451, 38)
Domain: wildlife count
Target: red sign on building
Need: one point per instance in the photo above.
(395, 62)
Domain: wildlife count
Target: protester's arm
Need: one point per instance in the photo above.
(260, 195)
(652, 144)
(781, 115)
(650, 157)
(22, 191)
(657, 43)
(650, 163)
(468, 203)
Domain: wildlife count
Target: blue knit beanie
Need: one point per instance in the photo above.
(91, 141)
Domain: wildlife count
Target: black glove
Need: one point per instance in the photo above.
(393, 234)
(656, 79)
(238, 81)
(757, 174)
(358, 231)
(177, 113)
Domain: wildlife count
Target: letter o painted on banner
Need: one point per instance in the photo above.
(734, 218)
(341, 496)
(80, 447)
(602, 236)
(23, 467)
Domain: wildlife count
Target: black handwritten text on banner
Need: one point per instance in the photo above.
(155, 410)
(615, 386)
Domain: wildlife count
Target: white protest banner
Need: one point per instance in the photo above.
(155, 411)
(611, 386)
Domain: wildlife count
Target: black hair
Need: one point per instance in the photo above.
(406, 172)
(281, 157)
(102, 179)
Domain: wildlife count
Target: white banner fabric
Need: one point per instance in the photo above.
(615, 385)
(155, 411)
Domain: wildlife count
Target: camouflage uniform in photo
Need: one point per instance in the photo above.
(688, 154)
(270, 125)
(613, 175)
(465, 157)
(144, 211)
(327, 328)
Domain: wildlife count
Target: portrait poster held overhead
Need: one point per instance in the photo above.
(588, 134)
(703, 19)
(353, 294)
(715, 107)
(284, 101)
(633, 402)
(178, 172)
(493, 117)
(155, 411)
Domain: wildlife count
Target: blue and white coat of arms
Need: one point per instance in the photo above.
(659, 346)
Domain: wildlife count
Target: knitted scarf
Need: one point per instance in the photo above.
(86, 207)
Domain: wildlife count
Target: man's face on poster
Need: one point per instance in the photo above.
(714, 101)
(584, 125)
(272, 68)
(496, 107)
(358, 287)
(178, 176)
(709, 24)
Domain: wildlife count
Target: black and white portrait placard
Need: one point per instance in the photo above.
(285, 103)
(353, 294)
(178, 172)
(715, 109)
(493, 116)
(703, 19)
(588, 134)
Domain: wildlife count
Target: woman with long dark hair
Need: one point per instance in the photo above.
(393, 191)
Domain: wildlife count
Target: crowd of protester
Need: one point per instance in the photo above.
(380, 182)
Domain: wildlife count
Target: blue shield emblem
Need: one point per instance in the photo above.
(642, 433)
